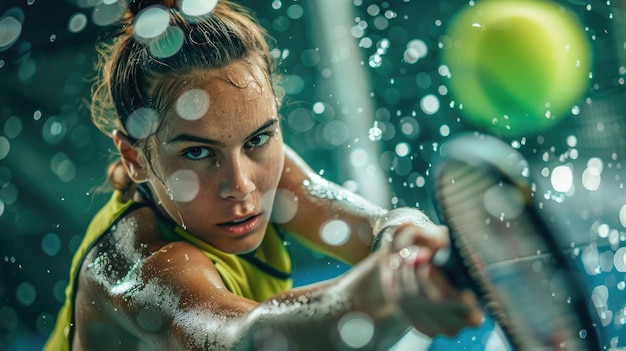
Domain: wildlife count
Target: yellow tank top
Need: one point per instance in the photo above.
(256, 276)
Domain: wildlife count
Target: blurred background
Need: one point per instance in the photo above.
(367, 104)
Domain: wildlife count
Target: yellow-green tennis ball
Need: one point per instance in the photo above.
(516, 67)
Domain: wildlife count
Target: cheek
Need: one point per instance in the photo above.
(275, 165)
(185, 186)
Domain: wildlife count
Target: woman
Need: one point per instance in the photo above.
(188, 253)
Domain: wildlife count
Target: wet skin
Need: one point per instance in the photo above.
(136, 291)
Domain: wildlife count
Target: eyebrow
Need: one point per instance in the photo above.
(181, 138)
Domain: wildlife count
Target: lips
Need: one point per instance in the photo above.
(242, 226)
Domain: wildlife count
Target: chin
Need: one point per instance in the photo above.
(248, 248)
(248, 244)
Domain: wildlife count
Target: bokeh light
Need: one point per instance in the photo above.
(142, 122)
(107, 12)
(197, 8)
(192, 104)
(335, 232)
(77, 22)
(356, 329)
(152, 22)
(183, 185)
(284, 204)
(10, 27)
(52, 159)
(562, 178)
(168, 43)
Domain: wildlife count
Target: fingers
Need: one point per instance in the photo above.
(433, 306)
(422, 292)
(443, 313)
(433, 237)
(445, 318)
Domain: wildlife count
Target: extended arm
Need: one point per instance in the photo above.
(173, 298)
(319, 201)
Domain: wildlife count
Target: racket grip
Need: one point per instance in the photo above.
(451, 264)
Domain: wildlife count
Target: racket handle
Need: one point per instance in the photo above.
(451, 264)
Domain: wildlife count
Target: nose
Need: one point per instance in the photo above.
(237, 183)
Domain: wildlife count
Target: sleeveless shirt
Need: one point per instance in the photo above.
(257, 276)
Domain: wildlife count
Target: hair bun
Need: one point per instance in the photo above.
(135, 6)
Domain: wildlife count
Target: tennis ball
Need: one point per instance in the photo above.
(516, 67)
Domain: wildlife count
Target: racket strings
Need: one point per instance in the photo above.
(506, 257)
(461, 191)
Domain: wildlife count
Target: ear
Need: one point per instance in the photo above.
(129, 156)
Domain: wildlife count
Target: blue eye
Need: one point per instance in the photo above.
(197, 153)
(257, 141)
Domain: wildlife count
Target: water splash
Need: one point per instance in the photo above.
(375, 133)
(376, 60)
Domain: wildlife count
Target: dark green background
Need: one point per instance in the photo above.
(44, 79)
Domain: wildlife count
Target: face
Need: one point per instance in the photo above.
(219, 159)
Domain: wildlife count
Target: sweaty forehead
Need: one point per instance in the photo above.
(244, 75)
(240, 82)
(239, 94)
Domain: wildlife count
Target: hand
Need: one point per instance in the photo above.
(418, 289)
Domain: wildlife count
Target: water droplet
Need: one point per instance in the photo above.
(562, 178)
(444, 130)
(429, 104)
(319, 108)
(375, 133)
(403, 149)
(375, 61)
(77, 22)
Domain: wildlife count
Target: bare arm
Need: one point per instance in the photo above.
(320, 201)
(173, 298)
(173, 303)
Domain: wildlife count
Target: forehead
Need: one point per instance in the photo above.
(237, 88)
(239, 95)
(236, 82)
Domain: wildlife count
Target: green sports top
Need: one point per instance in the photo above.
(256, 276)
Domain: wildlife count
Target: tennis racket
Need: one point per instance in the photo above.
(502, 248)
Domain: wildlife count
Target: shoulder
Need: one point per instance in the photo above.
(132, 278)
(134, 247)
